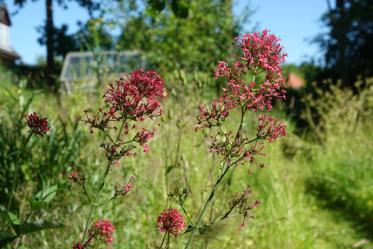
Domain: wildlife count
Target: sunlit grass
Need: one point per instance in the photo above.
(293, 214)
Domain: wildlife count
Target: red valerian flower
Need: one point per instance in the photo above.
(126, 188)
(76, 177)
(259, 53)
(136, 96)
(100, 232)
(261, 98)
(103, 229)
(73, 176)
(262, 50)
(216, 113)
(171, 221)
(144, 136)
(38, 126)
(130, 99)
(270, 128)
(78, 245)
(222, 70)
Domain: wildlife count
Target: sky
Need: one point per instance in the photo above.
(296, 22)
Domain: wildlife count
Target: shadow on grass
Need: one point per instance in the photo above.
(343, 204)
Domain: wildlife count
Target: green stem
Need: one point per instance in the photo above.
(14, 182)
(120, 131)
(186, 214)
(228, 164)
(200, 216)
(163, 240)
(93, 206)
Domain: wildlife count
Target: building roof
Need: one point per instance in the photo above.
(4, 15)
(8, 54)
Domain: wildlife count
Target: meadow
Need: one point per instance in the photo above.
(315, 189)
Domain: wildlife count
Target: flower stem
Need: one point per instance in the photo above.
(102, 183)
(163, 240)
(14, 182)
(200, 216)
(228, 164)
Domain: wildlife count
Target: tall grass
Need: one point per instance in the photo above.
(313, 195)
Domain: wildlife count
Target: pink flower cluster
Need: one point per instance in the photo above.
(125, 189)
(76, 177)
(73, 176)
(262, 51)
(100, 232)
(131, 99)
(216, 113)
(270, 128)
(37, 125)
(171, 221)
(104, 230)
(259, 52)
(136, 96)
(260, 56)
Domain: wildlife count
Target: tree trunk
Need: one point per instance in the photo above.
(341, 36)
(49, 30)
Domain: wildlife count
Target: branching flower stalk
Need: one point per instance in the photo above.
(130, 101)
(259, 55)
(170, 221)
(37, 127)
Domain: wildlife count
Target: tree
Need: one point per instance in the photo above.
(191, 35)
(50, 30)
(347, 46)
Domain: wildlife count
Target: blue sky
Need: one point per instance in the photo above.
(295, 21)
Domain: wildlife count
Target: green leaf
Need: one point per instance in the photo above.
(44, 196)
(50, 193)
(47, 193)
(13, 219)
(36, 205)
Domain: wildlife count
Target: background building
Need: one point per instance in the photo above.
(7, 53)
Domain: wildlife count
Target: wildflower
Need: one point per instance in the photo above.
(270, 128)
(73, 176)
(77, 177)
(261, 98)
(171, 221)
(258, 52)
(103, 229)
(259, 56)
(262, 51)
(38, 126)
(126, 188)
(222, 70)
(218, 112)
(78, 245)
(136, 96)
(133, 98)
(145, 148)
(144, 136)
(100, 232)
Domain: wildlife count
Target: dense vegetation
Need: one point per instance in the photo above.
(313, 194)
(312, 188)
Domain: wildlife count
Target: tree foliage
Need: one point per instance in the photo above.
(54, 38)
(191, 35)
(347, 45)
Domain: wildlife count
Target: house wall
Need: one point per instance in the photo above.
(4, 36)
